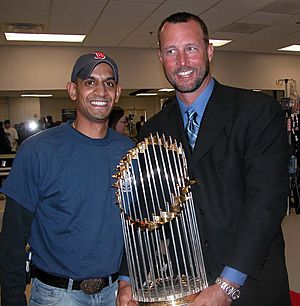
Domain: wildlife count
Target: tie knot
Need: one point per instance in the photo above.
(192, 114)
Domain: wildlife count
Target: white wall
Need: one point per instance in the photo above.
(22, 109)
(28, 68)
(254, 70)
(42, 68)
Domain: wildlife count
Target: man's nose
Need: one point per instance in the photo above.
(182, 59)
(100, 90)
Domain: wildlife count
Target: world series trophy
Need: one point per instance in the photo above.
(162, 241)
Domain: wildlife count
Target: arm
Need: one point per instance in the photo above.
(265, 172)
(266, 177)
(15, 231)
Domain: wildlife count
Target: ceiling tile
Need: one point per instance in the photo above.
(74, 23)
(139, 42)
(243, 28)
(21, 5)
(283, 7)
(187, 5)
(119, 25)
(264, 18)
(226, 35)
(229, 15)
(129, 8)
(25, 16)
(292, 22)
(237, 46)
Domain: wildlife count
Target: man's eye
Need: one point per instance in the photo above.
(90, 82)
(109, 84)
(191, 49)
(170, 51)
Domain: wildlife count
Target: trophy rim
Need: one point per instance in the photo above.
(176, 302)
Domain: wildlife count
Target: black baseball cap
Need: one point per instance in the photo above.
(86, 63)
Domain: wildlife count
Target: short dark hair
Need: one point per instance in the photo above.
(7, 121)
(116, 114)
(184, 17)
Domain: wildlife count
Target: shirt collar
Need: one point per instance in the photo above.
(199, 104)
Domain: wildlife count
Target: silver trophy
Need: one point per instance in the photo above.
(162, 241)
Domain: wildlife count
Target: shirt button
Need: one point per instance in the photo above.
(206, 243)
(201, 212)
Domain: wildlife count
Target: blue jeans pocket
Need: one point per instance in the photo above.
(42, 294)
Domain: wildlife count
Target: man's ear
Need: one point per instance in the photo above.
(71, 88)
(210, 51)
(159, 55)
(118, 93)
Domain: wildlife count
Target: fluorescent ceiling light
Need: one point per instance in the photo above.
(147, 94)
(44, 37)
(36, 95)
(291, 48)
(166, 89)
(219, 42)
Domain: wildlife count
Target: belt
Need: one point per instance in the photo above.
(89, 286)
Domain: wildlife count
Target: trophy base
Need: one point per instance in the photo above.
(176, 302)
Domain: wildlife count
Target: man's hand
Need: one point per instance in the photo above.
(212, 296)
(124, 297)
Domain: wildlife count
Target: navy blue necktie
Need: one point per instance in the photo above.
(192, 127)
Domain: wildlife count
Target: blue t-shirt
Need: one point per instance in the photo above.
(65, 177)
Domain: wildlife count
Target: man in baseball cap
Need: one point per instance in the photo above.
(86, 63)
(65, 202)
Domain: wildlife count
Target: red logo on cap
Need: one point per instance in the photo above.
(99, 55)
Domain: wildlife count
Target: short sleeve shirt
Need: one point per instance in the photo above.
(65, 178)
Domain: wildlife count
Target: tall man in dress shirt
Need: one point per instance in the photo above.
(237, 149)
